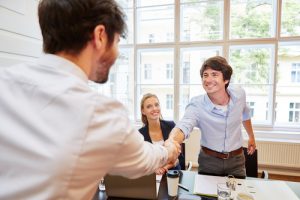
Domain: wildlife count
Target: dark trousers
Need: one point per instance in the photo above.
(210, 165)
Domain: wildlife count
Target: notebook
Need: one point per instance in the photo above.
(145, 187)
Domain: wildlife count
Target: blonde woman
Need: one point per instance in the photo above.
(155, 129)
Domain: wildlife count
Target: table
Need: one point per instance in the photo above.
(187, 179)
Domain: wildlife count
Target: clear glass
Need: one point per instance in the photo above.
(155, 66)
(155, 74)
(290, 18)
(155, 24)
(201, 20)
(121, 80)
(129, 22)
(191, 60)
(288, 84)
(252, 19)
(187, 91)
(252, 69)
(125, 3)
(144, 3)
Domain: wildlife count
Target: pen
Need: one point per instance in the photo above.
(183, 187)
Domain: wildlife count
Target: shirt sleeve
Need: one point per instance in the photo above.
(123, 147)
(189, 120)
(246, 110)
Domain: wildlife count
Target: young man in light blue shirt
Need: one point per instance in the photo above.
(218, 114)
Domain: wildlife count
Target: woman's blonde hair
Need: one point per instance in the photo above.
(145, 97)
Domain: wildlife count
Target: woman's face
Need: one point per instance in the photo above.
(151, 108)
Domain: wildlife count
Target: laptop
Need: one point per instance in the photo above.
(145, 187)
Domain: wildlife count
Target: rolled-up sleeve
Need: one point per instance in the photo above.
(189, 120)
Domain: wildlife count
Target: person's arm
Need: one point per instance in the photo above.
(251, 139)
(137, 157)
(177, 135)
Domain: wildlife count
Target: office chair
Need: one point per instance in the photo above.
(251, 165)
(182, 160)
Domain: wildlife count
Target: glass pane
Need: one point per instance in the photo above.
(155, 66)
(120, 83)
(201, 20)
(251, 64)
(127, 6)
(125, 3)
(258, 98)
(288, 86)
(252, 69)
(142, 3)
(165, 94)
(155, 24)
(191, 60)
(290, 18)
(252, 19)
(186, 93)
(129, 22)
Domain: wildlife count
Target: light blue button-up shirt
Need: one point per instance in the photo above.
(220, 131)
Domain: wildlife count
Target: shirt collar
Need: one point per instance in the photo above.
(211, 106)
(62, 64)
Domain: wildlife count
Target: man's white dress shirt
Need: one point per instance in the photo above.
(58, 137)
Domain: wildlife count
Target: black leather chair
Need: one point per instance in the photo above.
(182, 160)
(251, 165)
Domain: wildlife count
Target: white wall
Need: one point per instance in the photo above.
(20, 38)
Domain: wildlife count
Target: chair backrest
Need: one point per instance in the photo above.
(182, 158)
(251, 163)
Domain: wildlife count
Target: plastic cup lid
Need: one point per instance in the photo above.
(173, 173)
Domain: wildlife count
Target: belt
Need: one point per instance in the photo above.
(222, 155)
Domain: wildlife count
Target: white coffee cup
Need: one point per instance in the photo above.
(173, 180)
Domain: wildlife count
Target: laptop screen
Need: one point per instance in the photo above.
(145, 187)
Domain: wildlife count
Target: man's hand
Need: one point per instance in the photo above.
(174, 149)
(251, 146)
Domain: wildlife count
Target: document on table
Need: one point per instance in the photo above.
(260, 189)
(268, 189)
(207, 185)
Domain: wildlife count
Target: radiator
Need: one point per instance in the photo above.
(281, 158)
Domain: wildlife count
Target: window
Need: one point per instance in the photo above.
(147, 71)
(295, 73)
(186, 73)
(294, 112)
(169, 101)
(201, 20)
(252, 19)
(169, 71)
(165, 49)
(251, 105)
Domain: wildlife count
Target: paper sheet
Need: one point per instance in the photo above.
(158, 179)
(207, 185)
(260, 189)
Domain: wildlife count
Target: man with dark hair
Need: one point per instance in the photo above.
(218, 114)
(58, 138)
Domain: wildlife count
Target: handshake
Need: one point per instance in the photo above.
(174, 149)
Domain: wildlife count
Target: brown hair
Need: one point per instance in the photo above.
(67, 25)
(145, 97)
(220, 64)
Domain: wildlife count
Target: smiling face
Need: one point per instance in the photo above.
(151, 109)
(213, 81)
